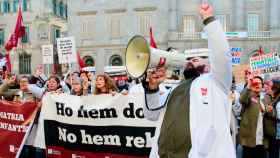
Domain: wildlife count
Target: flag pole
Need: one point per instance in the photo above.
(19, 10)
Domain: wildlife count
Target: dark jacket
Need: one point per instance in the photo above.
(175, 139)
(249, 118)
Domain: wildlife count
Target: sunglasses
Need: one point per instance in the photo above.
(203, 57)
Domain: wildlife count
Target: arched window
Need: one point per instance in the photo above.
(89, 61)
(24, 63)
(116, 60)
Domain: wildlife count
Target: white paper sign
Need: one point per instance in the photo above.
(66, 49)
(47, 53)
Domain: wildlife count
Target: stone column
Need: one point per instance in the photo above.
(239, 12)
(173, 15)
(274, 15)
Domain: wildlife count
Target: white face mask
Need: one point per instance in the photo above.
(121, 83)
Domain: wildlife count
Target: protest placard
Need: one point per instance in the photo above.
(47, 54)
(66, 49)
(265, 63)
(236, 55)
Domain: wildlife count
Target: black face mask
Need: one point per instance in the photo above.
(192, 72)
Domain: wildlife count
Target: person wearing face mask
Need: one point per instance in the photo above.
(122, 84)
(196, 113)
(252, 131)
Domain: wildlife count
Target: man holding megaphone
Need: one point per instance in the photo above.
(196, 121)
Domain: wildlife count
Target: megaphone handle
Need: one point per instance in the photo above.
(145, 84)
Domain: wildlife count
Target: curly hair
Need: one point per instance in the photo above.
(109, 84)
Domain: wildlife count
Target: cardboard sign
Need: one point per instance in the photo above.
(47, 53)
(266, 63)
(236, 55)
(66, 49)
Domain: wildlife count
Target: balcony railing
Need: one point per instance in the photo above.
(259, 34)
(198, 35)
(184, 36)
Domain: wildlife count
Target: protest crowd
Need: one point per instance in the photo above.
(253, 106)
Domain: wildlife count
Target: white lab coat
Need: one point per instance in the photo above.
(209, 104)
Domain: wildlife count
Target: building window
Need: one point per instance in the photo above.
(115, 26)
(6, 6)
(145, 22)
(84, 28)
(61, 9)
(15, 5)
(66, 12)
(25, 38)
(253, 21)
(54, 6)
(24, 63)
(24, 5)
(188, 23)
(56, 33)
(57, 7)
(223, 21)
(89, 61)
(2, 37)
(88, 27)
(116, 60)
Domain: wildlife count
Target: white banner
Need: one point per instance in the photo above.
(95, 126)
(47, 53)
(66, 49)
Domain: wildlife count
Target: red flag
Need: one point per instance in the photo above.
(152, 40)
(261, 51)
(81, 62)
(18, 32)
(54, 69)
(8, 62)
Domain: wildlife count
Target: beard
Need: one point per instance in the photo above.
(192, 72)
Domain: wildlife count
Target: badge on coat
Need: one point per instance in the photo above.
(204, 96)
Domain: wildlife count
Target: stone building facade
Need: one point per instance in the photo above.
(102, 28)
(45, 20)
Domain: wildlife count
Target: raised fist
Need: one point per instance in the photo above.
(205, 11)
